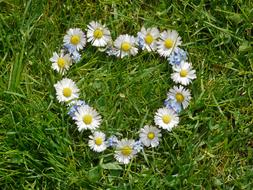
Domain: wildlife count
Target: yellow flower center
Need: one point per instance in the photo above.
(168, 43)
(126, 150)
(179, 97)
(166, 119)
(98, 141)
(61, 62)
(67, 92)
(149, 39)
(75, 39)
(87, 119)
(98, 33)
(151, 135)
(183, 73)
(125, 46)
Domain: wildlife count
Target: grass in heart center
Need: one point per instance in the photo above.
(125, 92)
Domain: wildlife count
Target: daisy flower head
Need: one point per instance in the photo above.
(182, 95)
(125, 151)
(148, 38)
(177, 56)
(87, 117)
(126, 45)
(166, 118)
(74, 39)
(61, 63)
(98, 34)
(149, 136)
(184, 74)
(97, 141)
(66, 90)
(169, 40)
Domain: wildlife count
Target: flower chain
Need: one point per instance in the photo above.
(165, 43)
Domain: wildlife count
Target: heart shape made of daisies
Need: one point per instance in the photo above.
(165, 43)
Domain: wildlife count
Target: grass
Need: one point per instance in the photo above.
(212, 148)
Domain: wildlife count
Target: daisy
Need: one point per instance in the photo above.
(182, 95)
(98, 34)
(66, 90)
(97, 141)
(148, 37)
(87, 118)
(74, 39)
(168, 41)
(149, 136)
(125, 151)
(125, 45)
(183, 74)
(61, 62)
(166, 118)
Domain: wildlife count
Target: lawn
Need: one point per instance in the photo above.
(40, 146)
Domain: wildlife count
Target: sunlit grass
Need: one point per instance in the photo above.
(40, 146)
